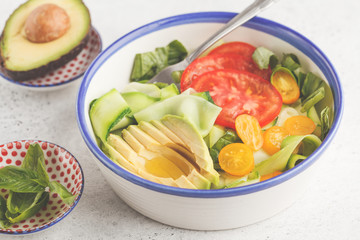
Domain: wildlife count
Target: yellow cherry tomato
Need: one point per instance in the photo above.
(236, 159)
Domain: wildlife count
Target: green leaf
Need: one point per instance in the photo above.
(176, 52)
(3, 208)
(4, 222)
(19, 179)
(312, 99)
(300, 79)
(64, 194)
(34, 160)
(290, 61)
(20, 202)
(33, 155)
(176, 76)
(147, 65)
(264, 58)
(311, 84)
(35, 208)
(325, 122)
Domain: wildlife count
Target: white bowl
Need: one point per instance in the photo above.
(202, 209)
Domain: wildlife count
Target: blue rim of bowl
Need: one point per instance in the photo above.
(23, 84)
(58, 219)
(257, 23)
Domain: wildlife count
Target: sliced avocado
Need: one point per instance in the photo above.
(118, 158)
(24, 59)
(188, 133)
(156, 169)
(159, 125)
(164, 151)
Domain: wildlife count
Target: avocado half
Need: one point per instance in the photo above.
(22, 59)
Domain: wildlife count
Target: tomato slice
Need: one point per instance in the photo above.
(241, 48)
(220, 61)
(240, 92)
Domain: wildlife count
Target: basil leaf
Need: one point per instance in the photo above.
(2, 208)
(64, 194)
(33, 155)
(34, 160)
(19, 179)
(290, 61)
(4, 222)
(20, 202)
(264, 58)
(42, 201)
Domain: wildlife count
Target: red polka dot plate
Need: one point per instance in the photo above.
(68, 73)
(61, 166)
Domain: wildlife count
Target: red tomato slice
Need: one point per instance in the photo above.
(240, 92)
(220, 61)
(241, 48)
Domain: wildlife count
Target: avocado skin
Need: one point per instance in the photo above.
(45, 69)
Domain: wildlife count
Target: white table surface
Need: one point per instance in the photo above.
(330, 208)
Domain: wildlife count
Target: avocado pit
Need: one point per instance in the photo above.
(46, 23)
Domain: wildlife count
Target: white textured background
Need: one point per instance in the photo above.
(330, 209)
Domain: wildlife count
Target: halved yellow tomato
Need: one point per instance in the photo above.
(284, 81)
(249, 130)
(236, 159)
(273, 138)
(299, 125)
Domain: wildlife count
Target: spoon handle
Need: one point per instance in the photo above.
(245, 15)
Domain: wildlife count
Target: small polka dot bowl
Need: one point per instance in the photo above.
(68, 73)
(61, 166)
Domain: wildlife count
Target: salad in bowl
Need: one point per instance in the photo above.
(241, 115)
(232, 142)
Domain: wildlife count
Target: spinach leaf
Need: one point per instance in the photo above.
(300, 79)
(20, 180)
(147, 65)
(264, 58)
(311, 84)
(34, 160)
(176, 52)
(230, 136)
(64, 194)
(290, 61)
(42, 201)
(312, 99)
